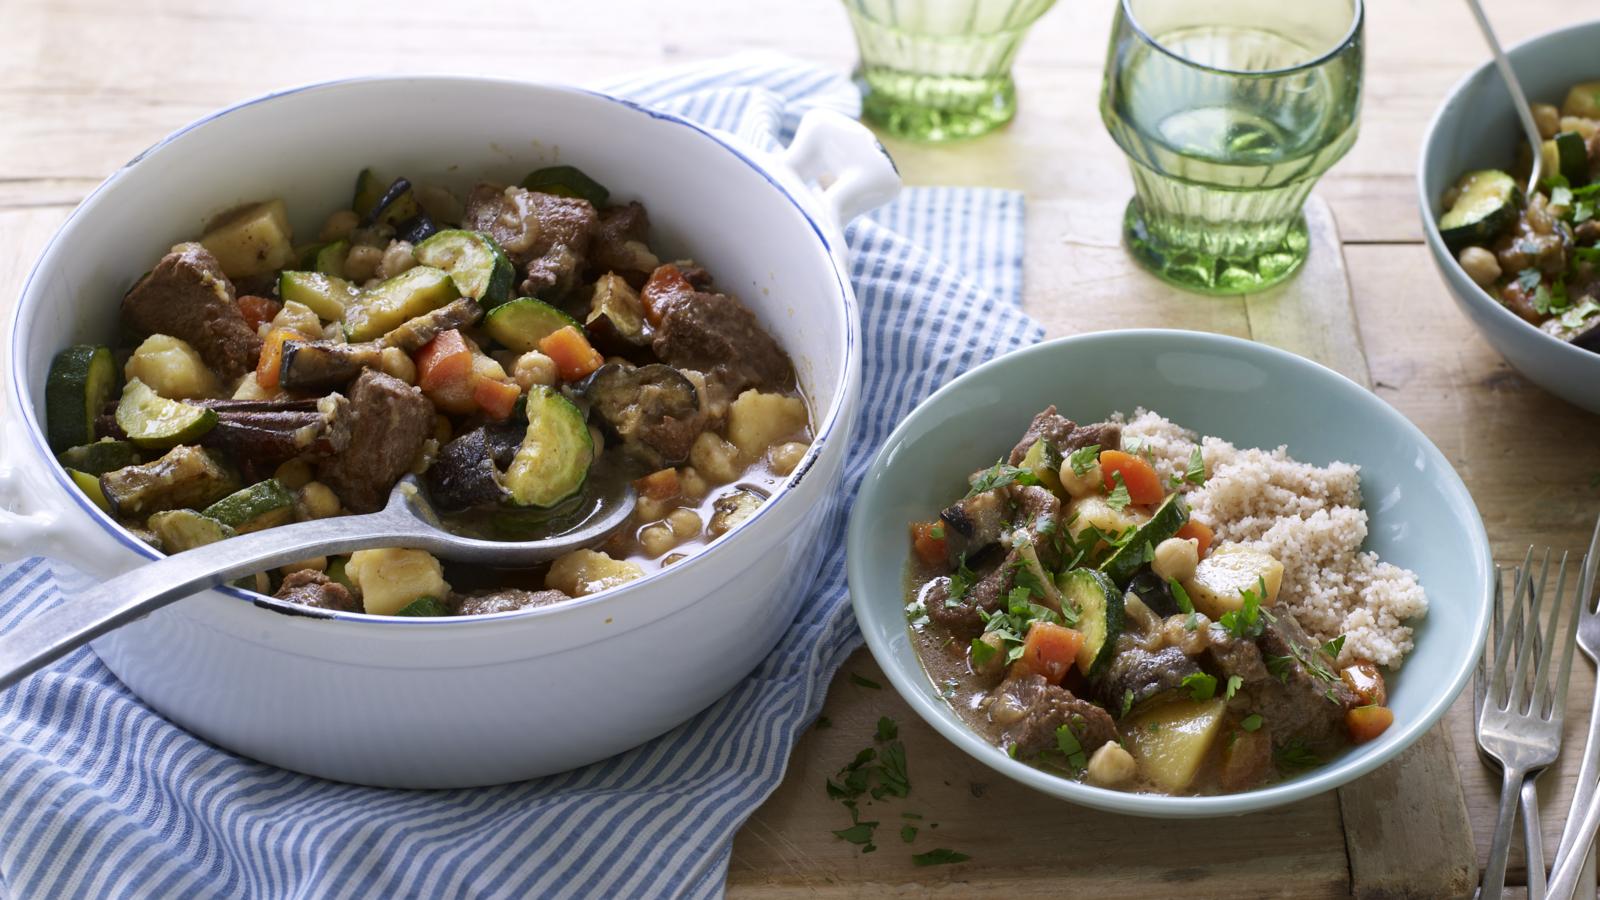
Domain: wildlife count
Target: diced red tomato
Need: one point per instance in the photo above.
(927, 538)
(1366, 681)
(665, 282)
(1050, 650)
(661, 484)
(1367, 722)
(574, 356)
(1200, 531)
(258, 310)
(1144, 485)
(270, 364)
(497, 399)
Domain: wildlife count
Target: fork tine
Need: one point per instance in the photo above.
(1571, 639)
(1541, 685)
(1522, 681)
(1590, 561)
(1499, 687)
(1480, 679)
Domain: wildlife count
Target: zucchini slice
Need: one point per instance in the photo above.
(426, 607)
(185, 529)
(330, 259)
(554, 457)
(1567, 154)
(521, 324)
(265, 504)
(1044, 461)
(81, 380)
(1138, 550)
(151, 420)
(567, 181)
(1100, 616)
(384, 307)
(99, 457)
(380, 205)
(326, 295)
(475, 262)
(90, 485)
(1487, 205)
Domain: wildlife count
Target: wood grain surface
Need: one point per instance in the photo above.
(86, 84)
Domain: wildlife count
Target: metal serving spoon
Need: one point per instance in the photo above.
(1519, 100)
(407, 521)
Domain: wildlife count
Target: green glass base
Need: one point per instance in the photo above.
(935, 108)
(1206, 273)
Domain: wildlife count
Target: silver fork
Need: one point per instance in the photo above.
(1589, 643)
(1532, 832)
(1521, 720)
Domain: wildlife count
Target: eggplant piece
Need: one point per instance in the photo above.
(186, 477)
(1154, 592)
(265, 433)
(654, 410)
(416, 229)
(733, 508)
(1136, 676)
(976, 522)
(395, 204)
(467, 471)
(616, 315)
(310, 366)
(410, 336)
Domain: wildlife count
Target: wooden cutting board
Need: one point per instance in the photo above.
(1402, 831)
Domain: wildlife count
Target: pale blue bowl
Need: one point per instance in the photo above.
(1476, 128)
(1421, 515)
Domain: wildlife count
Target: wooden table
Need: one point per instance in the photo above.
(86, 84)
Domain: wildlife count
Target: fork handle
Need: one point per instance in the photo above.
(1533, 837)
(1564, 880)
(1494, 875)
(1586, 783)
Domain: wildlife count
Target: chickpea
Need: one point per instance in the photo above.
(316, 501)
(1111, 767)
(1586, 128)
(1480, 265)
(314, 563)
(784, 457)
(649, 509)
(657, 539)
(395, 260)
(339, 225)
(534, 368)
(1176, 558)
(362, 263)
(1548, 118)
(1175, 633)
(685, 523)
(691, 484)
(996, 660)
(394, 362)
(294, 474)
(1085, 485)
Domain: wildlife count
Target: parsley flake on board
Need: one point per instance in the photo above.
(908, 833)
(1201, 686)
(1083, 459)
(1119, 497)
(863, 681)
(859, 833)
(887, 729)
(939, 856)
(1251, 722)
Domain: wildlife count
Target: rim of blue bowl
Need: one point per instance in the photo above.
(1430, 228)
(912, 686)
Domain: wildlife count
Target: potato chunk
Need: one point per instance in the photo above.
(756, 421)
(251, 240)
(1221, 579)
(172, 368)
(1583, 100)
(391, 579)
(1171, 741)
(1094, 510)
(584, 572)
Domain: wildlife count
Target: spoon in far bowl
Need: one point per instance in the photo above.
(408, 521)
(1519, 100)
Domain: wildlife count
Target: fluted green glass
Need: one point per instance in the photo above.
(1229, 111)
(936, 70)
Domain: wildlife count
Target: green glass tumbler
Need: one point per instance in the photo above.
(936, 70)
(1229, 111)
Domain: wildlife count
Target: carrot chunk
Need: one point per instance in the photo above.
(1050, 650)
(1144, 485)
(1367, 722)
(661, 484)
(1200, 532)
(927, 538)
(574, 356)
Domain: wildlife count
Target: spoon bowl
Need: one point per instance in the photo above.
(407, 520)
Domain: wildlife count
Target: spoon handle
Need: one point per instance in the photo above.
(74, 622)
(1519, 100)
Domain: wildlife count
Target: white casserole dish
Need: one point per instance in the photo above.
(483, 700)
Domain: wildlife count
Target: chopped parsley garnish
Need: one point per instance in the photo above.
(1234, 683)
(1194, 473)
(1180, 596)
(1560, 195)
(1127, 702)
(862, 681)
(982, 652)
(1083, 459)
(887, 729)
(1071, 748)
(908, 833)
(1119, 498)
(1529, 279)
(1201, 686)
(1251, 722)
(939, 856)
(1333, 647)
(1278, 667)
(937, 531)
(1296, 755)
(999, 476)
(1245, 622)
(960, 582)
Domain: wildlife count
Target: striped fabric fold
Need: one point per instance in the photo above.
(101, 797)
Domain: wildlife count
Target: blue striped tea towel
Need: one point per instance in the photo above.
(101, 797)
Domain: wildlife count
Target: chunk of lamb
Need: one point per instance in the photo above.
(1137, 676)
(1065, 435)
(309, 587)
(187, 297)
(714, 334)
(619, 244)
(1029, 709)
(547, 237)
(389, 422)
(988, 593)
(1288, 680)
(505, 600)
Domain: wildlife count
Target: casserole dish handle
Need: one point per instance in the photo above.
(30, 522)
(852, 171)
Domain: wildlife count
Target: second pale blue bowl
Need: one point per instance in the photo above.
(1421, 516)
